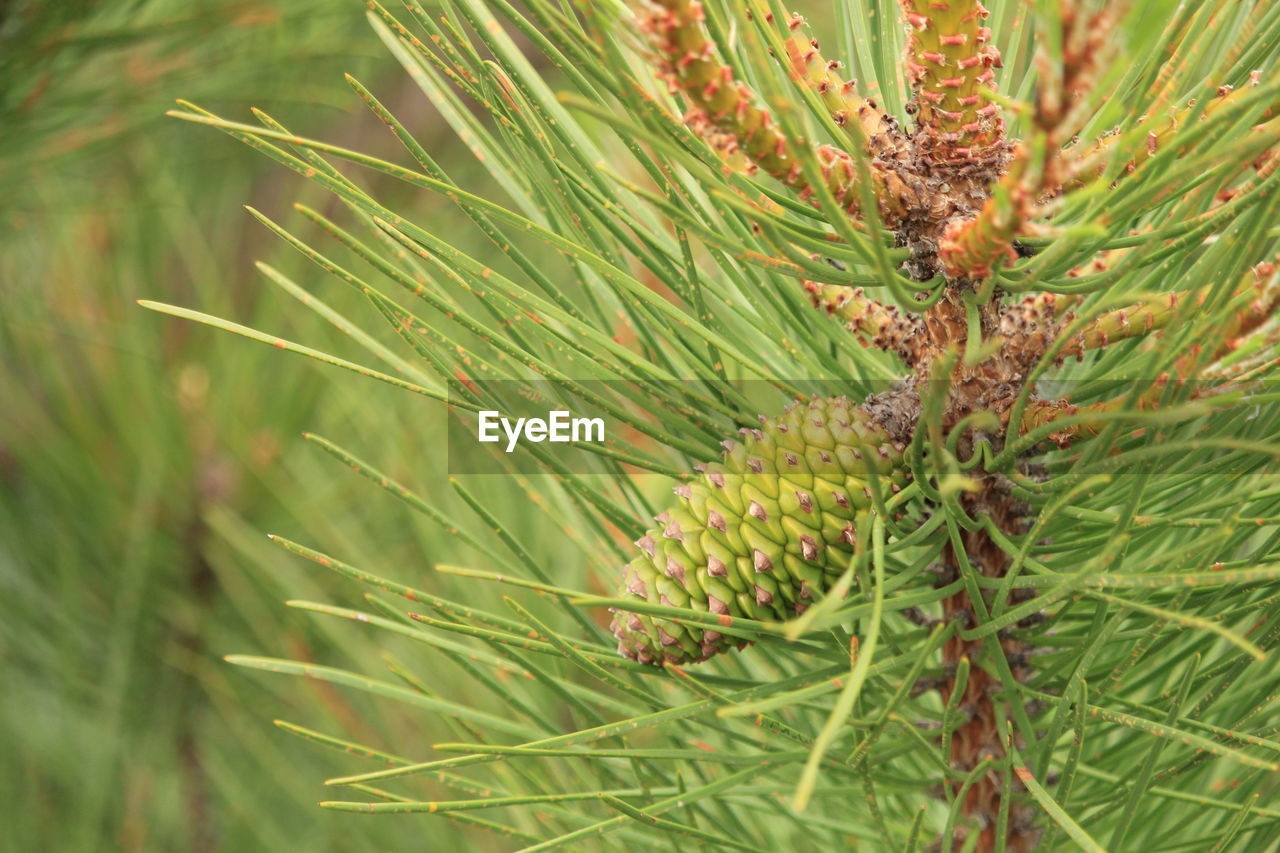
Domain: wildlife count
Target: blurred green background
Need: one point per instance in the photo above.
(143, 458)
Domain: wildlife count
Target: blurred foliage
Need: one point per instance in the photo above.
(133, 449)
(83, 77)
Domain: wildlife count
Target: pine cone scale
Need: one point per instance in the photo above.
(761, 534)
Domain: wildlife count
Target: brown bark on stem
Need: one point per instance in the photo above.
(978, 738)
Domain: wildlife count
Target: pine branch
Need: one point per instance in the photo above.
(1250, 306)
(970, 249)
(880, 133)
(951, 66)
(724, 111)
(881, 326)
(1248, 312)
(1082, 167)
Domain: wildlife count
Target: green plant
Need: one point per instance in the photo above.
(1046, 621)
(126, 566)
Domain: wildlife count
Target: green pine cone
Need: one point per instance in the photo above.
(760, 534)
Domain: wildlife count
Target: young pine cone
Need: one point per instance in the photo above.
(761, 534)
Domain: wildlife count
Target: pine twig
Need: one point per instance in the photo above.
(724, 111)
(951, 66)
(875, 324)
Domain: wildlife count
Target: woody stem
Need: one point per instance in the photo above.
(977, 739)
